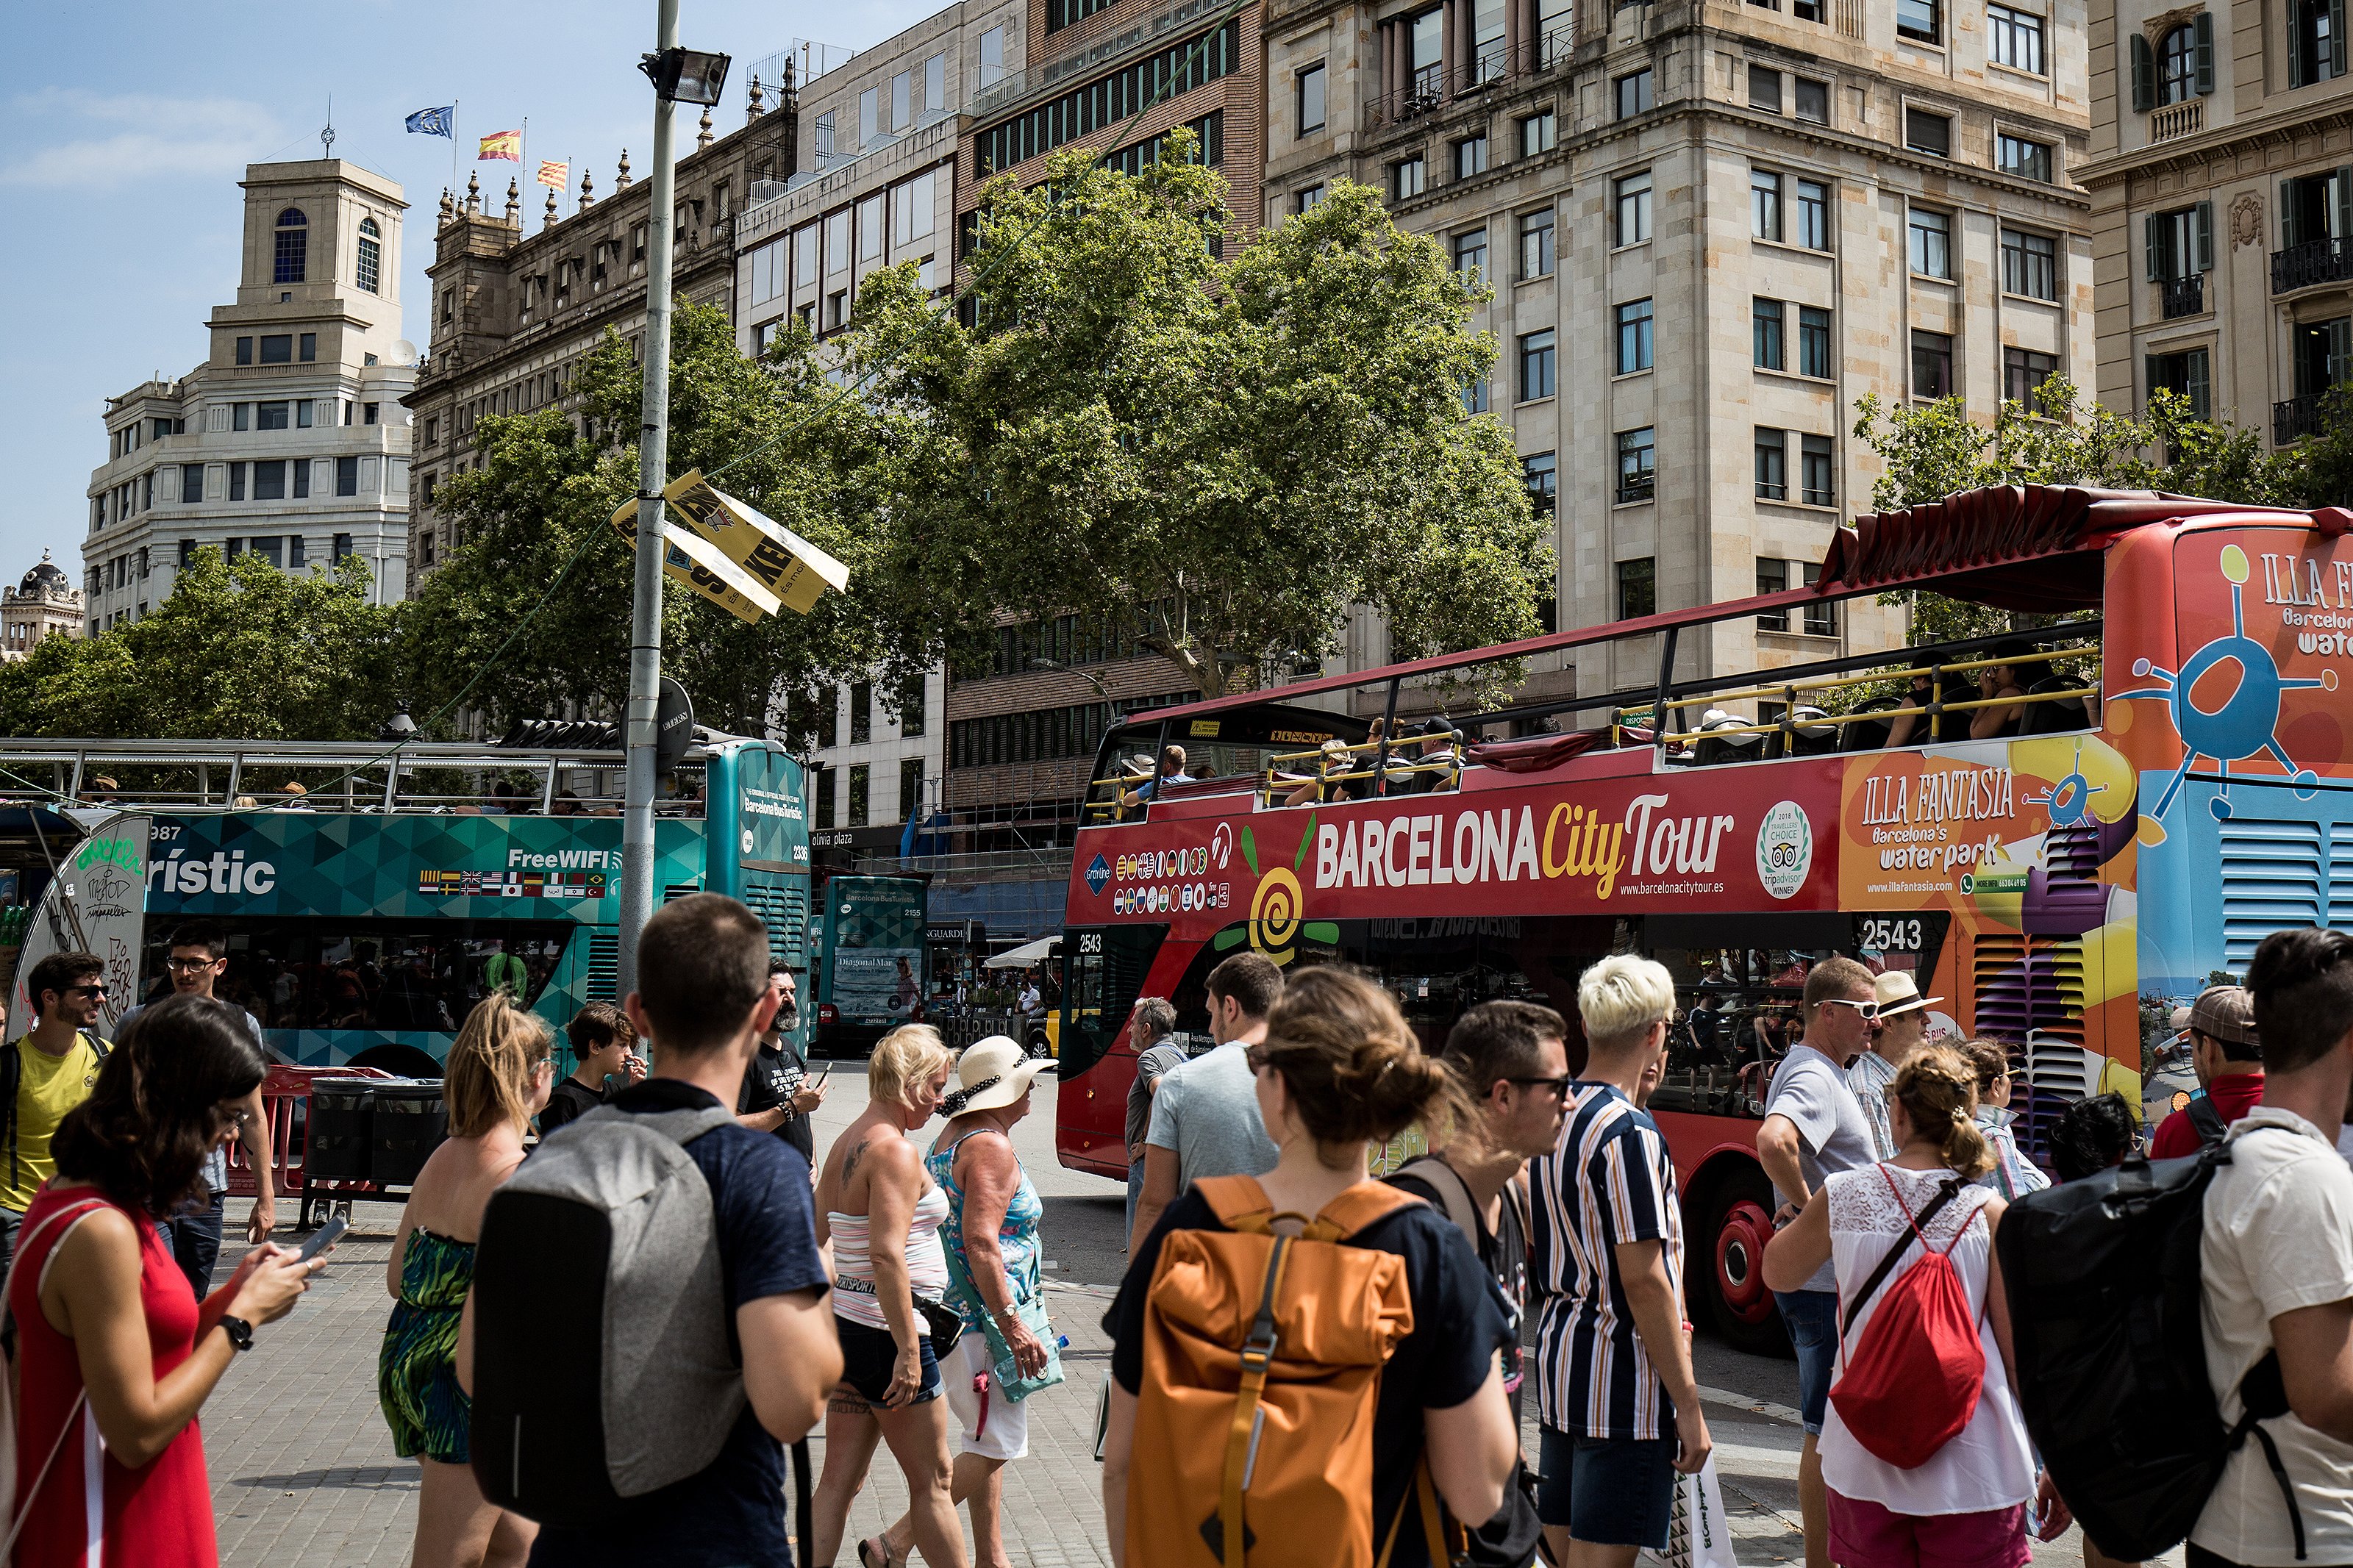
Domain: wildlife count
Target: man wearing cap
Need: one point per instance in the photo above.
(1898, 1029)
(2227, 1055)
(1437, 767)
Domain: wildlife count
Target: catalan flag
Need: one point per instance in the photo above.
(506, 144)
(553, 175)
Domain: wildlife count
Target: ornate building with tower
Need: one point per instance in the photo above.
(44, 602)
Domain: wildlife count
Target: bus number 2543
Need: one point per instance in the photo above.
(1891, 936)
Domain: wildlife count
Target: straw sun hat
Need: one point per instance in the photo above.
(992, 1073)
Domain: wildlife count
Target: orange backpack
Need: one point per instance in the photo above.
(1262, 1358)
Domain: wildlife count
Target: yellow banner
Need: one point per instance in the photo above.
(796, 571)
(698, 565)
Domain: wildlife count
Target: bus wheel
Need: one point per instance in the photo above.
(1739, 1224)
(406, 1060)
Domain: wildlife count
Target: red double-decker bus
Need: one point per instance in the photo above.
(2159, 776)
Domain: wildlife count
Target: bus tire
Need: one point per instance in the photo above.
(408, 1061)
(1738, 1222)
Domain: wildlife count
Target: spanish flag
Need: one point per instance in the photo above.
(506, 144)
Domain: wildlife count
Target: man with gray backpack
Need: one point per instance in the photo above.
(649, 1321)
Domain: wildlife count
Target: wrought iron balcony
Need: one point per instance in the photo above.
(2182, 296)
(2295, 418)
(2314, 261)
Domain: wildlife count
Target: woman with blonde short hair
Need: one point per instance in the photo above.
(882, 1213)
(500, 1072)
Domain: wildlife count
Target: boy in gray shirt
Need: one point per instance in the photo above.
(1204, 1115)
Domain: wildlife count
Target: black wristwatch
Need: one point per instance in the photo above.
(240, 1332)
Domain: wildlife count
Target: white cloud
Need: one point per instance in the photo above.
(123, 138)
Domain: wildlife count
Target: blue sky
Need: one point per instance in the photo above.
(117, 183)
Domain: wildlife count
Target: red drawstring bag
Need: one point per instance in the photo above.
(1912, 1379)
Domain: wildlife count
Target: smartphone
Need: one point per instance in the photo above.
(824, 1070)
(325, 1236)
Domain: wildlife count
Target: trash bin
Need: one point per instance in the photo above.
(411, 1119)
(342, 1129)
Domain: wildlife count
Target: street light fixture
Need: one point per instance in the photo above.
(1083, 675)
(399, 727)
(686, 76)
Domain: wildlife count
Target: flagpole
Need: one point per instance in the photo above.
(453, 146)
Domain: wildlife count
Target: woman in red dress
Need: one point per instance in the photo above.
(115, 1356)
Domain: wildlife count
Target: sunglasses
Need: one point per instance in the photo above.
(1559, 1086)
(92, 991)
(189, 966)
(1869, 1010)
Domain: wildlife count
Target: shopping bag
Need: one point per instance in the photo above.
(1701, 1534)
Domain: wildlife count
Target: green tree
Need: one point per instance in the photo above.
(545, 491)
(240, 651)
(1222, 456)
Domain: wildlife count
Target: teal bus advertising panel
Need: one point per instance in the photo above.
(760, 850)
(361, 938)
(873, 960)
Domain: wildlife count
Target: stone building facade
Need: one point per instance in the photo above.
(44, 603)
(2221, 180)
(1710, 227)
(290, 439)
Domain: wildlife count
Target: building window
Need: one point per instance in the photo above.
(1932, 242)
(2014, 38)
(1635, 93)
(1538, 134)
(1308, 199)
(911, 698)
(1631, 204)
(1932, 364)
(911, 788)
(1535, 365)
(271, 415)
(1311, 98)
(307, 348)
(992, 58)
(1408, 178)
(1061, 14)
(347, 476)
(269, 480)
(1638, 588)
(1812, 102)
(340, 547)
(1470, 157)
(236, 481)
(1772, 577)
(1470, 255)
(2029, 265)
(1772, 465)
(292, 256)
(1633, 337)
(2177, 65)
(1535, 244)
(245, 351)
(1921, 21)
(2322, 354)
(301, 467)
(2028, 160)
(367, 413)
(192, 483)
(1167, 72)
(1929, 132)
(277, 349)
(1813, 215)
(1764, 89)
(1765, 318)
(371, 264)
(1816, 472)
(1765, 205)
(2315, 41)
(2180, 244)
(2184, 373)
(824, 796)
(1637, 464)
(2023, 372)
(1540, 474)
(861, 712)
(1813, 342)
(1474, 396)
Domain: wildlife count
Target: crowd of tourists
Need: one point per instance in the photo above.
(1307, 1363)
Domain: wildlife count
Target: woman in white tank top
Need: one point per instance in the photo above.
(1964, 1505)
(881, 1212)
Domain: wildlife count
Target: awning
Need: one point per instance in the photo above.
(1028, 954)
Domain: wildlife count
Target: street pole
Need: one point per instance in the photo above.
(646, 599)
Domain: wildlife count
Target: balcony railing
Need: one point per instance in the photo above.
(2314, 261)
(1433, 86)
(2295, 418)
(2182, 296)
(2186, 118)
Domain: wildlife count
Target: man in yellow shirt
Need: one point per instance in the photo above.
(44, 1075)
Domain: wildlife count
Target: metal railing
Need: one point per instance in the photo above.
(2182, 296)
(1433, 87)
(2294, 418)
(2316, 262)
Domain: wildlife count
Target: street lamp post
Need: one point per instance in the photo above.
(676, 75)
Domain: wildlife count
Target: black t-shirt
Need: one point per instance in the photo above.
(731, 1515)
(568, 1102)
(1458, 1323)
(1505, 1251)
(773, 1079)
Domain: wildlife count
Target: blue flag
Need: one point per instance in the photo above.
(434, 122)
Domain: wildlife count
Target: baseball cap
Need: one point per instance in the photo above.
(2225, 1013)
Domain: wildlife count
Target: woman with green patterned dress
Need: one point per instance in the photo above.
(500, 1072)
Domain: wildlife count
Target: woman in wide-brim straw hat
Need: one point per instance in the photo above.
(992, 1238)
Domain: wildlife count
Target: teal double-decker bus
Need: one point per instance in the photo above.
(364, 922)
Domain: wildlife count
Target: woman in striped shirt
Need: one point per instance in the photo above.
(882, 1214)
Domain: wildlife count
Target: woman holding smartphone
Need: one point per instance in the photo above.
(115, 1354)
(501, 1070)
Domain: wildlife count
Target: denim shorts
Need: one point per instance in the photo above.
(1813, 1319)
(1609, 1491)
(868, 1356)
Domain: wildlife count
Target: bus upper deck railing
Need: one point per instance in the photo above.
(1810, 709)
(379, 778)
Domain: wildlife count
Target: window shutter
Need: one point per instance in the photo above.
(2205, 26)
(2144, 76)
(2205, 239)
(2336, 38)
(2340, 351)
(2291, 235)
(2343, 210)
(2152, 229)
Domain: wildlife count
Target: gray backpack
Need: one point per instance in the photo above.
(601, 1327)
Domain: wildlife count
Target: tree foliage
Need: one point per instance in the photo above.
(1223, 455)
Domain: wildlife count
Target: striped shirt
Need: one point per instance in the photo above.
(1610, 1180)
(1870, 1076)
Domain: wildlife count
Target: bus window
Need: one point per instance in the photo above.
(1104, 974)
(299, 972)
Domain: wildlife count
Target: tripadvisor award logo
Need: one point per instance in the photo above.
(1785, 849)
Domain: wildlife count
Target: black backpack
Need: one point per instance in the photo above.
(2103, 1277)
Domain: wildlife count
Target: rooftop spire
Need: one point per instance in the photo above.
(587, 188)
(514, 202)
(755, 107)
(550, 223)
(474, 192)
(623, 183)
